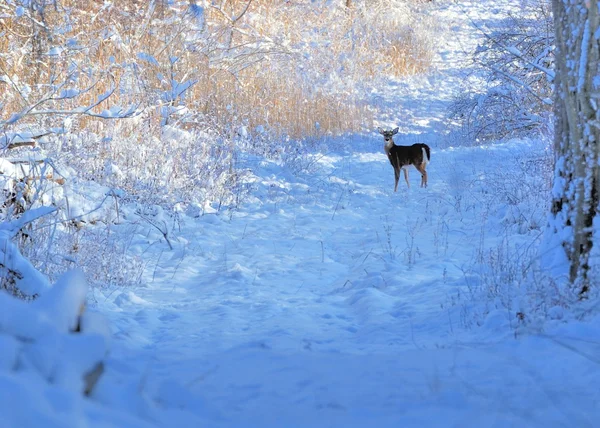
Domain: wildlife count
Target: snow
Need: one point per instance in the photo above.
(55, 51)
(69, 93)
(31, 282)
(583, 58)
(326, 299)
(148, 58)
(42, 364)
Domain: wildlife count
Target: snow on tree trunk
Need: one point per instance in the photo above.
(574, 224)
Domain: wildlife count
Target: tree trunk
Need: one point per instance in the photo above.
(575, 193)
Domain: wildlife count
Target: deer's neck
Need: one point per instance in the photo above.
(388, 146)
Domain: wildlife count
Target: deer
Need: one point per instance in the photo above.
(401, 157)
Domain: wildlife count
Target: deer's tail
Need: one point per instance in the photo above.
(426, 153)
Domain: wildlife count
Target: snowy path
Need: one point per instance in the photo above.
(324, 300)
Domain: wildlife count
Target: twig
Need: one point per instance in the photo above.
(338, 204)
(164, 231)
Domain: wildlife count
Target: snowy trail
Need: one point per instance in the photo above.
(322, 302)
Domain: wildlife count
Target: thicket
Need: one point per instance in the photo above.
(516, 61)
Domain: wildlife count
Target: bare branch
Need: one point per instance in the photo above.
(11, 146)
(234, 20)
(513, 51)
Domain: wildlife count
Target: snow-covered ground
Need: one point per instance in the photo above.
(330, 300)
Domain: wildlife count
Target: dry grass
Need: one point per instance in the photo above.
(263, 69)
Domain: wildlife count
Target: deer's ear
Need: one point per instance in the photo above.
(395, 131)
(380, 131)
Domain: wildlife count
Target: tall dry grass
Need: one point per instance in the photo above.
(290, 67)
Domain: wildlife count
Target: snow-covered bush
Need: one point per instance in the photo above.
(36, 332)
(58, 226)
(510, 207)
(18, 277)
(101, 251)
(516, 60)
(53, 350)
(163, 165)
(523, 193)
(507, 280)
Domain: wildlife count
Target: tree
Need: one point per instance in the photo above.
(575, 221)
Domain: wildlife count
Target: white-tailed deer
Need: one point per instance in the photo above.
(401, 157)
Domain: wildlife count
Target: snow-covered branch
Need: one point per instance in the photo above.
(516, 58)
(115, 112)
(513, 50)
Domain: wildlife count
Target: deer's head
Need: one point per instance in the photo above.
(388, 135)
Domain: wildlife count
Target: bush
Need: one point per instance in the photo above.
(515, 59)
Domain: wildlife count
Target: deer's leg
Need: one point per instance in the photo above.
(421, 169)
(406, 176)
(396, 178)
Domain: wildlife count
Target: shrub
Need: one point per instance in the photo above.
(515, 58)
